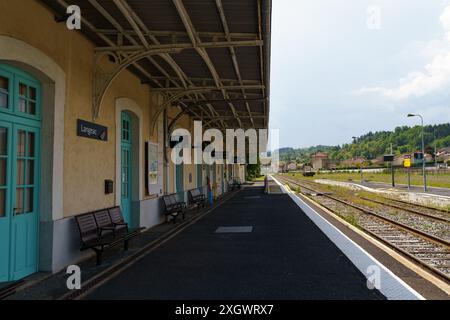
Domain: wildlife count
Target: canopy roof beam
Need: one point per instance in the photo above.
(196, 42)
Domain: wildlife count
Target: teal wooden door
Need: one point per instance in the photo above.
(222, 170)
(126, 167)
(199, 176)
(179, 183)
(5, 197)
(19, 173)
(24, 226)
(214, 176)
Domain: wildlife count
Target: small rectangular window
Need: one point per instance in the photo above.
(30, 172)
(20, 177)
(31, 107)
(32, 93)
(4, 92)
(21, 137)
(4, 84)
(3, 141)
(3, 172)
(30, 151)
(22, 105)
(3, 100)
(23, 90)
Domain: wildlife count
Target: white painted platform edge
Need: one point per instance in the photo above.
(391, 286)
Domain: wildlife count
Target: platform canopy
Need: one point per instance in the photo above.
(210, 57)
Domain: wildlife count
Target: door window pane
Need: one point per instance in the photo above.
(21, 143)
(32, 93)
(20, 172)
(30, 172)
(4, 84)
(22, 90)
(4, 88)
(2, 172)
(19, 201)
(31, 107)
(3, 141)
(31, 144)
(2, 202)
(125, 190)
(29, 200)
(22, 105)
(3, 99)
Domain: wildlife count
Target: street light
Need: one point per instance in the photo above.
(436, 171)
(361, 166)
(423, 151)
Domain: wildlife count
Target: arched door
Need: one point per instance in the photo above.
(179, 181)
(20, 96)
(126, 166)
(199, 176)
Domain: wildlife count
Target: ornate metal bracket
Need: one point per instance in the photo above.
(103, 79)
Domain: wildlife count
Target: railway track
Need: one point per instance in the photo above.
(429, 251)
(439, 215)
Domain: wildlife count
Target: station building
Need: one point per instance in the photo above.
(86, 114)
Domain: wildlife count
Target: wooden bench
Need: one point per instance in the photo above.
(104, 229)
(234, 184)
(197, 197)
(173, 207)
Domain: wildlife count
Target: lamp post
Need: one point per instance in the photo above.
(361, 165)
(436, 171)
(423, 151)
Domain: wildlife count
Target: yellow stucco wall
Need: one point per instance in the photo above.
(87, 162)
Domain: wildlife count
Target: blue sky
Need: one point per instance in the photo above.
(339, 71)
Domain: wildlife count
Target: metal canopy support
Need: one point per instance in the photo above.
(195, 39)
(181, 94)
(232, 53)
(142, 43)
(137, 23)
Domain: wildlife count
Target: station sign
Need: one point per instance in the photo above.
(388, 158)
(91, 130)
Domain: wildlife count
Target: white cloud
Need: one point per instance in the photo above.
(434, 77)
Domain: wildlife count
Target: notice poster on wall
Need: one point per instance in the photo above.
(152, 164)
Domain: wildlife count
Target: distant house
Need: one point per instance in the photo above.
(353, 162)
(378, 161)
(445, 150)
(292, 166)
(443, 155)
(399, 160)
(321, 161)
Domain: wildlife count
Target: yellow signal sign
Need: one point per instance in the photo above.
(407, 163)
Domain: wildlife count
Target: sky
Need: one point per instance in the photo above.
(342, 68)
